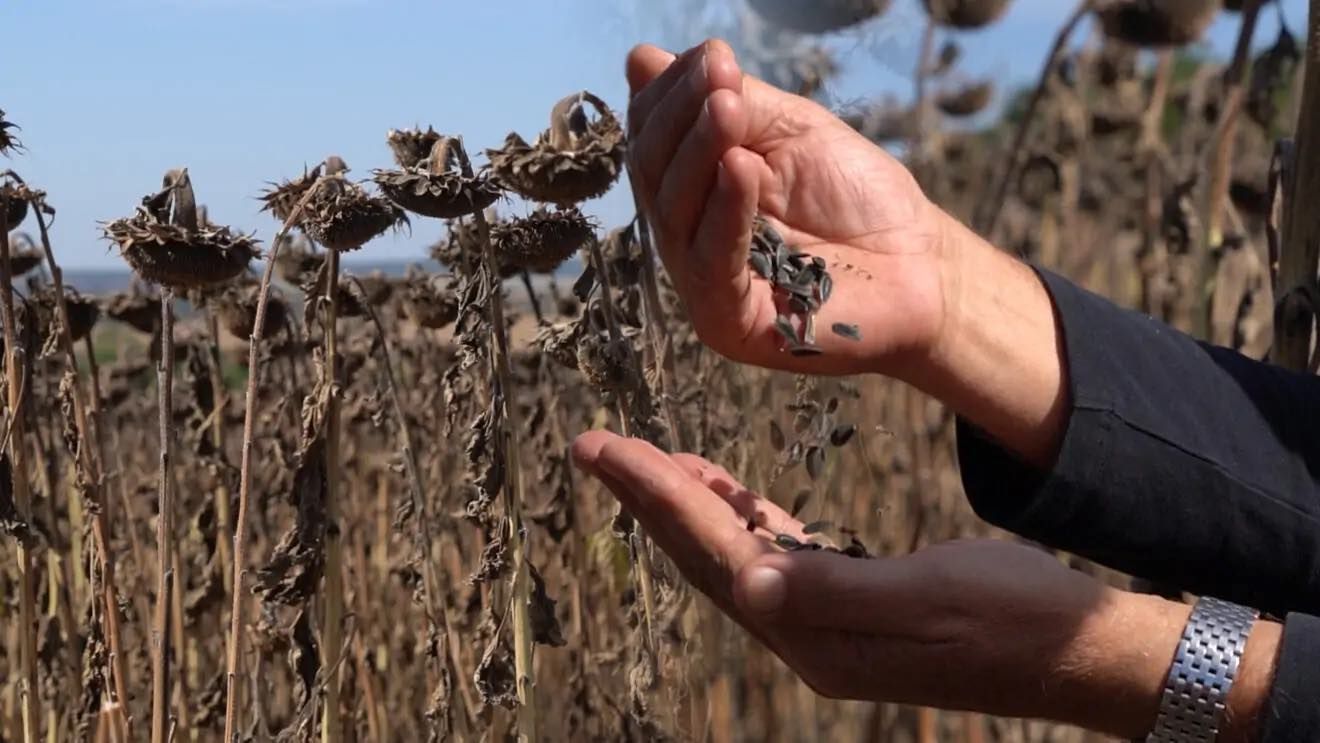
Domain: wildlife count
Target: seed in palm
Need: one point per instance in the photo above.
(844, 330)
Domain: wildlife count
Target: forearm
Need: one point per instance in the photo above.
(999, 360)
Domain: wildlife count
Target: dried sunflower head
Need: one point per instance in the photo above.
(436, 186)
(429, 303)
(1040, 179)
(411, 146)
(137, 309)
(280, 199)
(818, 16)
(965, 13)
(8, 141)
(574, 160)
(165, 243)
(968, 100)
(461, 250)
(296, 261)
(1158, 23)
(542, 241)
(237, 307)
(15, 196)
(83, 312)
(23, 255)
(341, 216)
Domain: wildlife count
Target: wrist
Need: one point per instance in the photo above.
(996, 356)
(1115, 678)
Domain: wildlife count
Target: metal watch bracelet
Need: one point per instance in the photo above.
(1204, 667)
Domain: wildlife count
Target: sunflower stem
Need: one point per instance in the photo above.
(513, 486)
(332, 626)
(245, 470)
(90, 461)
(15, 365)
(160, 630)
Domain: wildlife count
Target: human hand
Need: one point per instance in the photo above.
(985, 626)
(710, 148)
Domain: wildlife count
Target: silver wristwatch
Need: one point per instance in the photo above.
(1203, 671)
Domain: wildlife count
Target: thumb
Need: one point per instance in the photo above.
(760, 591)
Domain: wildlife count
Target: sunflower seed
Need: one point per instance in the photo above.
(799, 502)
(777, 436)
(761, 264)
(788, 541)
(816, 527)
(785, 328)
(815, 462)
(841, 435)
(844, 330)
(805, 351)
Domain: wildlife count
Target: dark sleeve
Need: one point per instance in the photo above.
(1186, 464)
(1292, 713)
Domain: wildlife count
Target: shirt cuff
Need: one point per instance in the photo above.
(1011, 494)
(1292, 712)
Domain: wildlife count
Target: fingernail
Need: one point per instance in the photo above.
(765, 589)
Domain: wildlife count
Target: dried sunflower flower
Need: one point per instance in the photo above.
(16, 196)
(83, 312)
(411, 146)
(8, 142)
(165, 244)
(342, 216)
(237, 307)
(137, 309)
(574, 160)
(968, 100)
(818, 16)
(1158, 23)
(965, 13)
(436, 186)
(542, 241)
(429, 304)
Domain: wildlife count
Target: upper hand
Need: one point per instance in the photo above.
(711, 147)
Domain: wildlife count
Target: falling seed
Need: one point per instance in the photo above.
(800, 502)
(751, 523)
(841, 435)
(777, 437)
(815, 462)
(844, 330)
(785, 328)
(816, 527)
(832, 406)
(585, 283)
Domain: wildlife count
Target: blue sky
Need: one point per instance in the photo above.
(112, 93)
